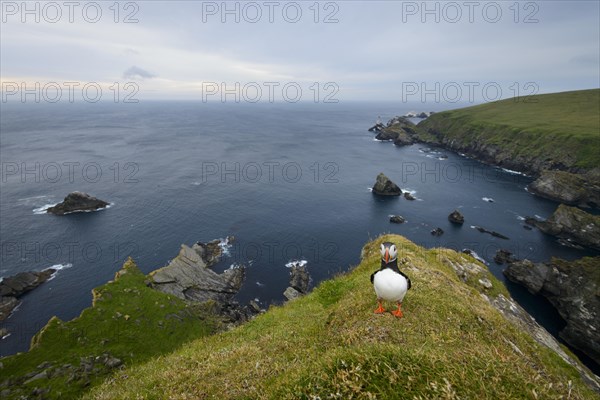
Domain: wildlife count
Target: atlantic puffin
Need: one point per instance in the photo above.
(389, 282)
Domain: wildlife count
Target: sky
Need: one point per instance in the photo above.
(305, 50)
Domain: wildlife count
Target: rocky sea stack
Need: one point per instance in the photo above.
(385, 187)
(77, 201)
(456, 217)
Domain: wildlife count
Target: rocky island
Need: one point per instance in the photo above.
(77, 202)
(385, 187)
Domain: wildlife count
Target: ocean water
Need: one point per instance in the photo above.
(288, 181)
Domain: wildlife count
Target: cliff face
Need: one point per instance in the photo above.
(546, 132)
(572, 288)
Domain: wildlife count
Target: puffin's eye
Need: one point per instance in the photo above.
(393, 251)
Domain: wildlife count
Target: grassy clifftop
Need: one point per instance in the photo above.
(450, 344)
(549, 131)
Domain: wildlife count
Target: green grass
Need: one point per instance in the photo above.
(451, 344)
(561, 126)
(128, 320)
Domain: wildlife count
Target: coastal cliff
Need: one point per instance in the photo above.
(461, 336)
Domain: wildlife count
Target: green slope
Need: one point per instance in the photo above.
(560, 130)
(127, 321)
(451, 344)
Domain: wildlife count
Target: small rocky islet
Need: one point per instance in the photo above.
(77, 202)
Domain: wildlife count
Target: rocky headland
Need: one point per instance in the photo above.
(574, 227)
(13, 287)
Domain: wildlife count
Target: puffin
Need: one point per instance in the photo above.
(389, 282)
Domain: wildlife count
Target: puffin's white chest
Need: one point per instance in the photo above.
(390, 285)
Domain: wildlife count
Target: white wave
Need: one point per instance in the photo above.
(476, 256)
(370, 189)
(488, 199)
(225, 246)
(296, 263)
(260, 284)
(58, 267)
(510, 171)
(42, 209)
(538, 217)
(7, 335)
(235, 266)
(473, 227)
(520, 218)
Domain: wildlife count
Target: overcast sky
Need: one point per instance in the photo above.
(366, 50)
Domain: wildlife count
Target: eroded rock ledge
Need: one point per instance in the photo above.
(572, 287)
(189, 277)
(13, 287)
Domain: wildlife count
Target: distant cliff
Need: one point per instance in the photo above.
(558, 131)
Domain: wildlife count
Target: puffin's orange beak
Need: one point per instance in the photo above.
(387, 256)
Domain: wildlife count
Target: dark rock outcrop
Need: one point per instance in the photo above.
(437, 232)
(399, 130)
(493, 233)
(188, 276)
(77, 201)
(572, 288)
(409, 196)
(385, 187)
(299, 281)
(397, 219)
(568, 188)
(456, 217)
(503, 256)
(571, 224)
(15, 286)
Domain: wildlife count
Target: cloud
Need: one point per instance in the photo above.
(137, 73)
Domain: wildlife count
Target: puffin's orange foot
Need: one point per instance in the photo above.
(398, 313)
(380, 309)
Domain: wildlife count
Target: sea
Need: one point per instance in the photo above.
(290, 182)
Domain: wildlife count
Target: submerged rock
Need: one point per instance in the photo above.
(572, 288)
(385, 187)
(77, 201)
(437, 232)
(14, 286)
(397, 219)
(493, 233)
(504, 256)
(409, 196)
(456, 217)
